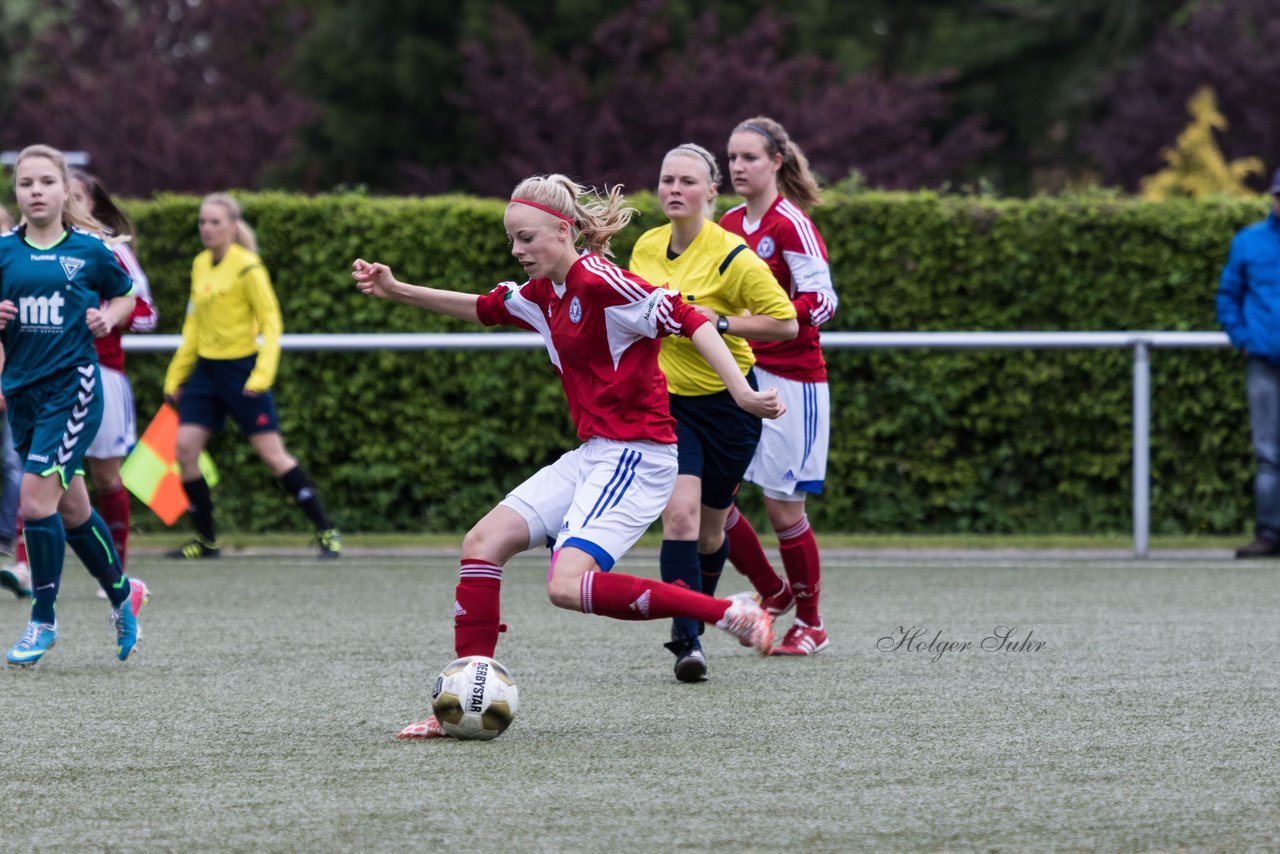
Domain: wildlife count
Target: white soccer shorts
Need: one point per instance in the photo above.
(600, 497)
(791, 459)
(118, 432)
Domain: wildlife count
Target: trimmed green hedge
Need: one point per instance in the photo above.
(1012, 441)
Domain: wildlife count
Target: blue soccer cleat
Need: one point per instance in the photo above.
(125, 622)
(38, 639)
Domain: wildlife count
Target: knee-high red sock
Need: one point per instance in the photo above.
(20, 551)
(747, 555)
(627, 597)
(476, 608)
(804, 568)
(113, 507)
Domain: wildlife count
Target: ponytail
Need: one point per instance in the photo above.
(593, 218)
(105, 210)
(244, 234)
(795, 181)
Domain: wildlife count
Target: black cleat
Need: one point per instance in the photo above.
(197, 549)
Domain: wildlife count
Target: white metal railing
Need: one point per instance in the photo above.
(1141, 343)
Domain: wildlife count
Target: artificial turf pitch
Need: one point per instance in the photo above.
(260, 709)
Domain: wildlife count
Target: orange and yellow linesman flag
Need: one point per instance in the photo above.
(151, 470)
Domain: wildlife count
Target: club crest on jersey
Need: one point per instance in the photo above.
(766, 247)
(70, 265)
(575, 310)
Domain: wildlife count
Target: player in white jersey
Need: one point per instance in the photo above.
(600, 325)
(790, 463)
(118, 432)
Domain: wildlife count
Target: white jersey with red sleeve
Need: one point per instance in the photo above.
(143, 319)
(789, 243)
(601, 330)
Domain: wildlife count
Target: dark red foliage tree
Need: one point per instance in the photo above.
(164, 93)
(1231, 45)
(608, 110)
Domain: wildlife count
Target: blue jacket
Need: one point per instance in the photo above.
(1249, 291)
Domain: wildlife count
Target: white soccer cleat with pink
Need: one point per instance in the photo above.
(748, 622)
(430, 728)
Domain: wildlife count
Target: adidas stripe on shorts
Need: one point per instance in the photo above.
(791, 459)
(118, 432)
(600, 497)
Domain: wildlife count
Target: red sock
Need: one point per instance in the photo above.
(476, 608)
(804, 568)
(114, 509)
(747, 555)
(627, 597)
(20, 551)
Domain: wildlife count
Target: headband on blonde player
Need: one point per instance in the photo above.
(549, 210)
(595, 217)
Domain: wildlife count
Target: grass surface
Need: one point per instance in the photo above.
(1123, 542)
(259, 712)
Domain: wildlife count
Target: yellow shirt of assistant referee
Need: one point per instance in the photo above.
(718, 271)
(231, 304)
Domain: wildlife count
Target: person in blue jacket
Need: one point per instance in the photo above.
(1249, 311)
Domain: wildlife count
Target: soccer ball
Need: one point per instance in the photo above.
(475, 698)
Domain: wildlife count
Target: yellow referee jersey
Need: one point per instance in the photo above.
(720, 272)
(231, 303)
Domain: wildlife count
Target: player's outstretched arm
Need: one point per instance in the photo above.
(8, 311)
(378, 281)
(763, 404)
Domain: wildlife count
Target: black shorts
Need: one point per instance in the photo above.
(716, 441)
(216, 389)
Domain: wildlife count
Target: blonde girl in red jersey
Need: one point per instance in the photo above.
(601, 326)
(771, 173)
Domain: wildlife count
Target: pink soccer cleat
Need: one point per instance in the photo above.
(802, 639)
(139, 595)
(430, 728)
(748, 622)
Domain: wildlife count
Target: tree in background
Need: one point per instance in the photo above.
(1196, 167)
(607, 110)
(168, 94)
(396, 111)
(380, 71)
(1230, 45)
(313, 94)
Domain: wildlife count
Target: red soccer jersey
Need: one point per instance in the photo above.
(601, 329)
(789, 243)
(143, 319)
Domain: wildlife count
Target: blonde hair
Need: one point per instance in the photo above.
(244, 234)
(6, 219)
(74, 214)
(795, 181)
(594, 218)
(697, 152)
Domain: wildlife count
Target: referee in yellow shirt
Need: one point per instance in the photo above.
(220, 370)
(719, 275)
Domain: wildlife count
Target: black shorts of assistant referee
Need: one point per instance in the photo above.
(717, 439)
(215, 389)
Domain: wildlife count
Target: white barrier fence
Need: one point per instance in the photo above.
(1141, 343)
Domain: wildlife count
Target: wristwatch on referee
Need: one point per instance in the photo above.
(722, 325)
